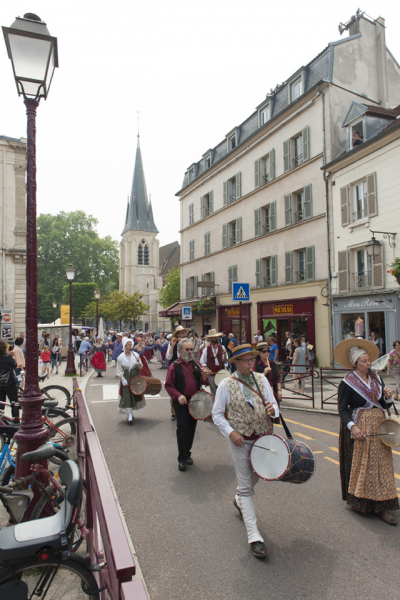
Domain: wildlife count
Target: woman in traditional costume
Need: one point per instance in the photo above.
(98, 354)
(394, 366)
(366, 463)
(129, 365)
(264, 364)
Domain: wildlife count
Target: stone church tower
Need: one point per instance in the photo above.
(139, 256)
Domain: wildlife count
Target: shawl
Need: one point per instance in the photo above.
(129, 362)
(371, 394)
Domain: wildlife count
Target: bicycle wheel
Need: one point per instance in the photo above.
(52, 579)
(57, 392)
(64, 433)
(8, 473)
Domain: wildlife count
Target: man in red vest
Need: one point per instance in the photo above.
(214, 357)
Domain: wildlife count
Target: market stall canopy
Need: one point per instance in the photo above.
(171, 311)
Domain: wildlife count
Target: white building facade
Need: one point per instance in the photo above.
(254, 208)
(13, 236)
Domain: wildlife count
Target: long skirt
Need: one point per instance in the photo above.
(98, 361)
(396, 375)
(127, 402)
(366, 467)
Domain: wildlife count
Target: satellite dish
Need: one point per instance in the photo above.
(380, 364)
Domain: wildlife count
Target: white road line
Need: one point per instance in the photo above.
(100, 401)
(110, 392)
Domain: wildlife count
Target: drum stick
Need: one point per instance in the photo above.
(262, 447)
(379, 434)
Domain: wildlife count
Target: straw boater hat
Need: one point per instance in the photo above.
(180, 328)
(245, 350)
(213, 333)
(346, 351)
(261, 345)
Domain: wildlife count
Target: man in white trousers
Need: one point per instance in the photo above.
(248, 419)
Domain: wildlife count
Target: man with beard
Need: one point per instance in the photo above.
(184, 378)
(214, 357)
(173, 354)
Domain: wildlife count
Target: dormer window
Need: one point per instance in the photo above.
(297, 85)
(264, 115)
(232, 139)
(232, 142)
(296, 89)
(356, 134)
(264, 112)
(207, 159)
(191, 174)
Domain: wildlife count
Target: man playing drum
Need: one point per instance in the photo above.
(172, 354)
(213, 358)
(184, 379)
(247, 420)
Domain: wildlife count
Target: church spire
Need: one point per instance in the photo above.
(140, 213)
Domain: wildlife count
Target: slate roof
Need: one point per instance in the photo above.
(139, 212)
(169, 256)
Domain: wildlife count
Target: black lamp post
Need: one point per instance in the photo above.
(70, 370)
(54, 312)
(97, 298)
(34, 56)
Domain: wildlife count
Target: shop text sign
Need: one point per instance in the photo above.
(232, 312)
(361, 303)
(283, 309)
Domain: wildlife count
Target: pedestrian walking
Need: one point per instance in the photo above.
(98, 354)
(55, 350)
(298, 367)
(366, 463)
(129, 366)
(45, 356)
(394, 366)
(8, 383)
(214, 358)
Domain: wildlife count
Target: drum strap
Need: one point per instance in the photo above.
(192, 374)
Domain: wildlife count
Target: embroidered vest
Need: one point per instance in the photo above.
(242, 417)
(211, 358)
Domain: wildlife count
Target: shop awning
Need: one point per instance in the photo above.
(171, 311)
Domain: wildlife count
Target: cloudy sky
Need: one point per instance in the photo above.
(193, 70)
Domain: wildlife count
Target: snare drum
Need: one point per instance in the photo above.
(149, 385)
(221, 375)
(200, 405)
(273, 458)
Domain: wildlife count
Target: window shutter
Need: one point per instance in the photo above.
(310, 264)
(230, 279)
(238, 230)
(202, 207)
(234, 273)
(272, 164)
(211, 291)
(286, 156)
(371, 195)
(205, 245)
(258, 272)
(272, 216)
(378, 272)
(257, 222)
(288, 267)
(225, 193)
(224, 236)
(308, 201)
(344, 205)
(274, 269)
(203, 290)
(343, 268)
(257, 173)
(306, 143)
(195, 280)
(238, 185)
(288, 209)
(211, 202)
(187, 288)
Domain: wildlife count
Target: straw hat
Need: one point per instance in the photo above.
(261, 345)
(213, 333)
(342, 351)
(244, 350)
(180, 328)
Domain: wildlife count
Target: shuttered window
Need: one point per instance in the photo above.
(257, 165)
(258, 272)
(257, 222)
(378, 271)
(238, 185)
(308, 208)
(286, 156)
(371, 195)
(225, 193)
(224, 236)
(343, 271)
(232, 276)
(191, 214)
(191, 250)
(239, 230)
(288, 267)
(272, 164)
(211, 202)
(274, 270)
(187, 288)
(310, 266)
(344, 205)
(288, 210)
(306, 143)
(207, 243)
(272, 216)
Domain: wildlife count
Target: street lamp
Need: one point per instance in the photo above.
(34, 56)
(374, 245)
(54, 312)
(70, 370)
(97, 298)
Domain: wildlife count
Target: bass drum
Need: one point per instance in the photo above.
(390, 426)
(201, 405)
(273, 458)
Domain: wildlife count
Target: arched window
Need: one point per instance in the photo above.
(140, 254)
(146, 255)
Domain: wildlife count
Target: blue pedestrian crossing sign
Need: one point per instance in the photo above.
(187, 313)
(240, 292)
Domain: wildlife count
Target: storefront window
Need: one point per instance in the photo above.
(269, 327)
(376, 328)
(353, 325)
(298, 327)
(236, 329)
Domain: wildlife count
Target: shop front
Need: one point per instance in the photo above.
(229, 321)
(372, 316)
(294, 315)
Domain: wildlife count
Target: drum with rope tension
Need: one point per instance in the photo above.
(145, 385)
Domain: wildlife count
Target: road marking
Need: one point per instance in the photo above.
(101, 401)
(394, 452)
(306, 437)
(332, 460)
(397, 476)
(318, 452)
(314, 428)
(334, 449)
(110, 392)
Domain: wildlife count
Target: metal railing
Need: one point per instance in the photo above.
(232, 197)
(267, 281)
(300, 276)
(266, 227)
(331, 378)
(360, 214)
(362, 280)
(232, 241)
(298, 216)
(265, 178)
(107, 541)
(297, 160)
(306, 378)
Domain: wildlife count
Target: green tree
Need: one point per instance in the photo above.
(71, 238)
(118, 306)
(171, 292)
(82, 294)
(45, 308)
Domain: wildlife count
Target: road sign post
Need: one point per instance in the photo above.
(240, 293)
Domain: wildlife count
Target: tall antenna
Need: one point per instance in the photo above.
(138, 120)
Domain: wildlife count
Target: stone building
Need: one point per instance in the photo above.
(139, 248)
(13, 236)
(255, 208)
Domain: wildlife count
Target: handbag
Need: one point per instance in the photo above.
(4, 377)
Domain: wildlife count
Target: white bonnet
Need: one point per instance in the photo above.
(355, 354)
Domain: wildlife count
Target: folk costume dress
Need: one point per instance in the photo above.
(127, 368)
(394, 362)
(366, 467)
(98, 357)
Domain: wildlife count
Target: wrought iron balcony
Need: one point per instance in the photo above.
(232, 241)
(265, 178)
(299, 216)
(360, 214)
(362, 280)
(300, 276)
(297, 160)
(232, 197)
(267, 227)
(267, 281)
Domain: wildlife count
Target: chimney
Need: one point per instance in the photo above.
(381, 62)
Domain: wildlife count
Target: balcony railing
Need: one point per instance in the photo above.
(362, 280)
(232, 197)
(299, 216)
(267, 227)
(232, 241)
(265, 178)
(297, 160)
(360, 214)
(300, 276)
(267, 281)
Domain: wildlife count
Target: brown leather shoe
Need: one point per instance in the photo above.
(259, 549)
(387, 517)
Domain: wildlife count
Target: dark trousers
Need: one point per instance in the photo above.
(10, 392)
(185, 429)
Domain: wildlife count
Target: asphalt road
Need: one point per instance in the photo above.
(190, 541)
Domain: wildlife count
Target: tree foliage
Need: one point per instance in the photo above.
(71, 238)
(118, 306)
(171, 292)
(82, 294)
